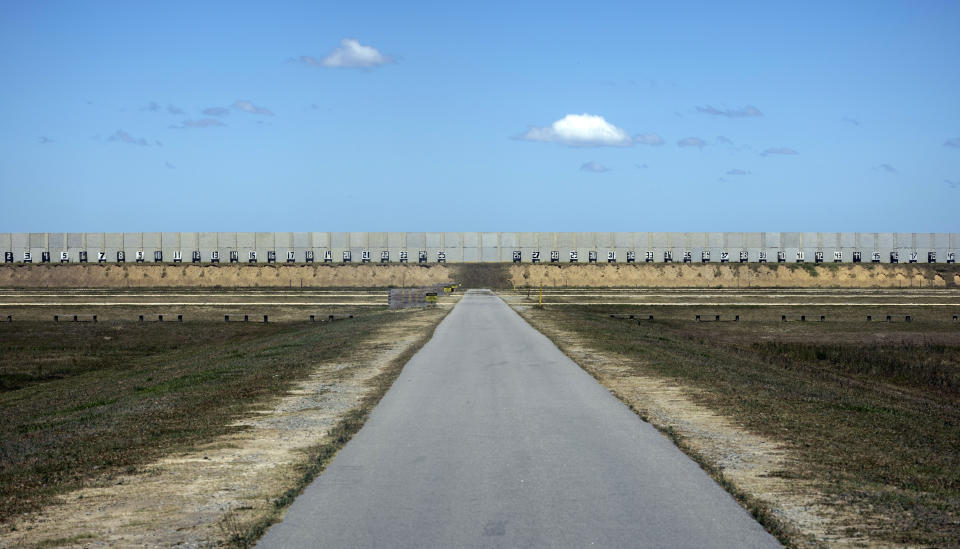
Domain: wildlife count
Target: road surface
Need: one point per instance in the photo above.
(491, 437)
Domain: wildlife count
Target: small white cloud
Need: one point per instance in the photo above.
(581, 130)
(692, 142)
(952, 184)
(170, 166)
(173, 109)
(200, 123)
(641, 166)
(43, 140)
(216, 111)
(246, 106)
(594, 167)
(887, 168)
(779, 150)
(651, 139)
(351, 55)
(737, 171)
(124, 137)
(851, 121)
(955, 143)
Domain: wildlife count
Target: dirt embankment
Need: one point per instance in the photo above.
(601, 275)
(146, 275)
(729, 275)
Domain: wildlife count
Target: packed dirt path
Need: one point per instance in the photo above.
(491, 437)
(204, 497)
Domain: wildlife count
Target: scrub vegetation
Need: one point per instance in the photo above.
(869, 410)
(80, 401)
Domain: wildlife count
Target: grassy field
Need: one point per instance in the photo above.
(86, 400)
(870, 410)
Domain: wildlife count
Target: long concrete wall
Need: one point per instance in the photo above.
(470, 247)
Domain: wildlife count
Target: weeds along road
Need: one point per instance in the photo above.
(491, 437)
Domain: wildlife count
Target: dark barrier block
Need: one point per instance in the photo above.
(822, 318)
(717, 317)
(351, 316)
(141, 318)
(783, 318)
(94, 318)
(179, 318)
(246, 318)
(803, 318)
(264, 319)
(159, 318)
(331, 318)
(226, 318)
(698, 318)
(954, 318)
(869, 318)
(907, 318)
(888, 318)
(56, 318)
(736, 318)
(631, 317)
(75, 319)
(313, 318)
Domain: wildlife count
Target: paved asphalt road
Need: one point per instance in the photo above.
(491, 437)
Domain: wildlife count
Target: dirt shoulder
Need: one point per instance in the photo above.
(225, 491)
(766, 455)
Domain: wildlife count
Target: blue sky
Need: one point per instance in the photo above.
(641, 116)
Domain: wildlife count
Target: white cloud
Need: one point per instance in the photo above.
(249, 107)
(649, 139)
(737, 171)
(351, 54)
(955, 143)
(594, 167)
(581, 130)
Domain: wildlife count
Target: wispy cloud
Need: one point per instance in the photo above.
(169, 166)
(849, 120)
(778, 150)
(199, 123)
(737, 171)
(158, 142)
(350, 55)
(43, 140)
(692, 142)
(216, 111)
(745, 112)
(641, 166)
(955, 143)
(887, 168)
(594, 167)
(724, 140)
(153, 106)
(124, 137)
(952, 184)
(580, 130)
(246, 106)
(651, 139)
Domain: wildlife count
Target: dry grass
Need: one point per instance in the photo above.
(84, 401)
(870, 411)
